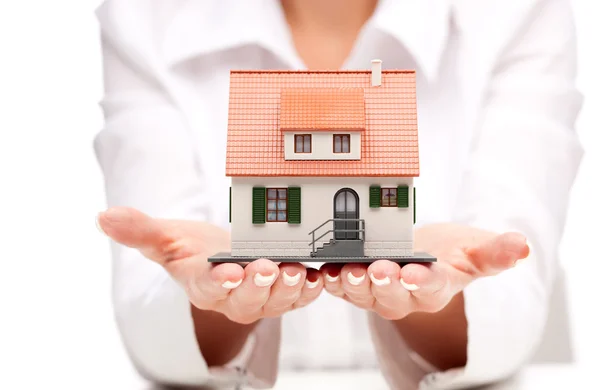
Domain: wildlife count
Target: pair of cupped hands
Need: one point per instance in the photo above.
(264, 288)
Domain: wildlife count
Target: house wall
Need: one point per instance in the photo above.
(322, 146)
(389, 230)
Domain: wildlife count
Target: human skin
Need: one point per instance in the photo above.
(425, 302)
(227, 300)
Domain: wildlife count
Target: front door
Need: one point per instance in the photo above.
(345, 206)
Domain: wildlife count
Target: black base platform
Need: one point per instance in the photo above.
(419, 257)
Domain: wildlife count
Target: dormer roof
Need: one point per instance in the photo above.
(322, 109)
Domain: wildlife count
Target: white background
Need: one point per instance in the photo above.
(55, 313)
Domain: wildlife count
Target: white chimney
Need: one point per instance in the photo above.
(375, 73)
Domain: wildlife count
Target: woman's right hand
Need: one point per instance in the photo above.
(244, 295)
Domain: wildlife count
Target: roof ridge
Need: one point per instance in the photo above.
(407, 71)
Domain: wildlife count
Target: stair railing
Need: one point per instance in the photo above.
(361, 230)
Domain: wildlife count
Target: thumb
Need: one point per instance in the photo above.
(498, 253)
(134, 229)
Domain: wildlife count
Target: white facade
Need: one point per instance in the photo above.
(322, 146)
(389, 230)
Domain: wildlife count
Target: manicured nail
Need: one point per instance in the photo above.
(310, 284)
(354, 280)
(379, 282)
(231, 285)
(332, 278)
(264, 281)
(409, 287)
(100, 227)
(291, 280)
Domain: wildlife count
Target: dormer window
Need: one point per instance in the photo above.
(322, 124)
(302, 143)
(341, 143)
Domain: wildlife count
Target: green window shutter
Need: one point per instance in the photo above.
(375, 196)
(259, 204)
(230, 204)
(414, 205)
(294, 205)
(402, 196)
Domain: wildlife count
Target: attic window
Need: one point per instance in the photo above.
(322, 109)
(302, 143)
(341, 143)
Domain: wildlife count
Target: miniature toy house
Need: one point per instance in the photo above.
(322, 165)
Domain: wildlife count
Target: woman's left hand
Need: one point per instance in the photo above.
(463, 255)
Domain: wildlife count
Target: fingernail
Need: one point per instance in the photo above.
(354, 280)
(409, 287)
(264, 281)
(291, 280)
(332, 278)
(310, 284)
(379, 282)
(231, 285)
(100, 227)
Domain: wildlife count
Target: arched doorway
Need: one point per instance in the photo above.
(345, 206)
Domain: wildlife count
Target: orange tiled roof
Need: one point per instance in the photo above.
(322, 109)
(389, 145)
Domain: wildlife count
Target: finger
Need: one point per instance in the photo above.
(247, 300)
(219, 280)
(286, 290)
(498, 253)
(214, 284)
(330, 274)
(135, 229)
(356, 285)
(428, 283)
(392, 301)
(313, 285)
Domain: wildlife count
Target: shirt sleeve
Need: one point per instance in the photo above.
(523, 163)
(146, 156)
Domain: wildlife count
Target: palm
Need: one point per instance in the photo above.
(464, 254)
(243, 294)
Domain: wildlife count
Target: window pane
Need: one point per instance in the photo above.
(282, 194)
(271, 215)
(298, 144)
(307, 140)
(271, 205)
(385, 195)
(346, 144)
(393, 197)
(340, 203)
(350, 202)
(272, 194)
(393, 200)
(281, 204)
(281, 216)
(337, 144)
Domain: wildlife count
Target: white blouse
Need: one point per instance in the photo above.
(496, 106)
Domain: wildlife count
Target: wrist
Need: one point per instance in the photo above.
(220, 340)
(440, 338)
